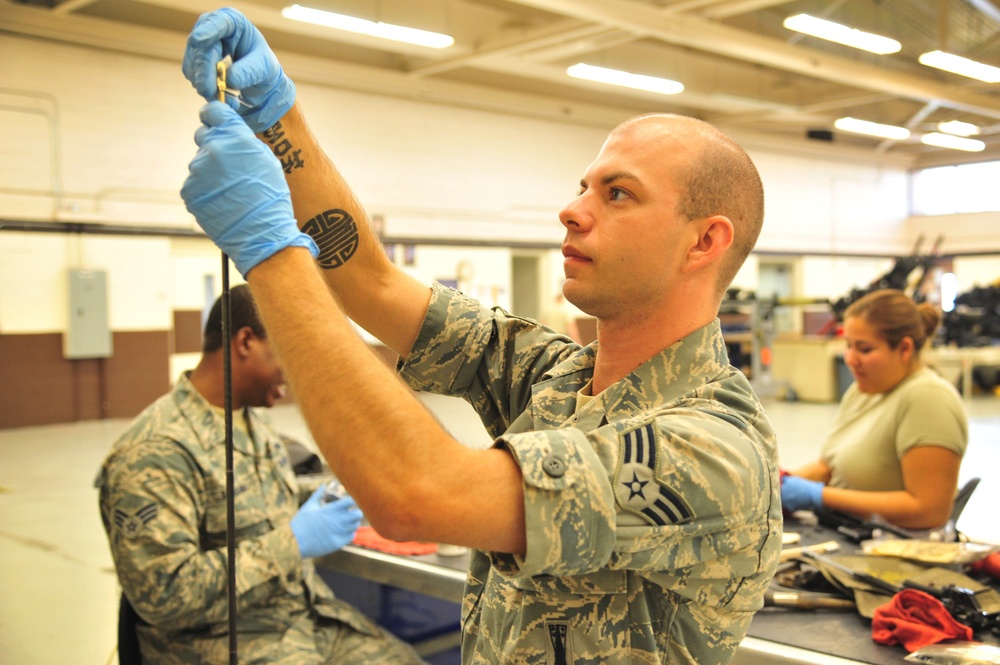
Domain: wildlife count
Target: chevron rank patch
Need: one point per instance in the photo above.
(636, 487)
(130, 524)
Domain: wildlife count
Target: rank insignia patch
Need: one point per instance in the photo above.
(636, 486)
(559, 649)
(131, 525)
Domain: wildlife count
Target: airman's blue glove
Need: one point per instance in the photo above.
(321, 528)
(801, 494)
(236, 190)
(255, 71)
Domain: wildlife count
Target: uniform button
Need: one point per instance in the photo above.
(554, 465)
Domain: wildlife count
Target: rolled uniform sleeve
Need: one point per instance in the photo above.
(568, 504)
(682, 498)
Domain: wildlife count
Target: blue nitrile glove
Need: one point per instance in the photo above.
(236, 190)
(801, 494)
(321, 528)
(255, 71)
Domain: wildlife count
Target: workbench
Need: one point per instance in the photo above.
(777, 636)
(813, 366)
(956, 363)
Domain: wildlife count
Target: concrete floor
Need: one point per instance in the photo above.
(58, 592)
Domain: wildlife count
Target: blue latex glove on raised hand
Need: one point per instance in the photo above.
(236, 190)
(255, 71)
(321, 528)
(801, 494)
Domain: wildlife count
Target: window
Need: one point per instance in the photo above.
(949, 190)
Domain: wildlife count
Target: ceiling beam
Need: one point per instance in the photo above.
(706, 35)
(107, 35)
(558, 33)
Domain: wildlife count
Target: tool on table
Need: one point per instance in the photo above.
(856, 529)
(821, 548)
(962, 604)
(805, 601)
(871, 580)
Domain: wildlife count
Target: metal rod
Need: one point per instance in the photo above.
(227, 373)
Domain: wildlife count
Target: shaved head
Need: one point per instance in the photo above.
(720, 179)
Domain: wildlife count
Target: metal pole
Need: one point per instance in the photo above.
(227, 373)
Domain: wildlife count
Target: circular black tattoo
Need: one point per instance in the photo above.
(336, 235)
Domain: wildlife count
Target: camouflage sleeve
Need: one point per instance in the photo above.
(568, 501)
(686, 497)
(487, 357)
(167, 538)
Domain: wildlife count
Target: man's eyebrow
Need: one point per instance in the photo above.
(612, 177)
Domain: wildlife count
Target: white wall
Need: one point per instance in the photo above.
(972, 271)
(34, 280)
(831, 205)
(970, 232)
(97, 136)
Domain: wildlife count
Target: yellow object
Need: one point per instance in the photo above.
(220, 77)
(821, 548)
(926, 551)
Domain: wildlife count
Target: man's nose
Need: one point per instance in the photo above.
(575, 216)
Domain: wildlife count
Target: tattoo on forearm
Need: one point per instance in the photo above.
(287, 154)
(336, 235)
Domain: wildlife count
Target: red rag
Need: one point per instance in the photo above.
(915, 619)
(367, 537)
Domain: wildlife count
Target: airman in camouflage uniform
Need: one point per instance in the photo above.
(653, 517)
(163, 505)
(629, 511)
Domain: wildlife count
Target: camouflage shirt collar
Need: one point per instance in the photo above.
(677, 370)
(209, 428)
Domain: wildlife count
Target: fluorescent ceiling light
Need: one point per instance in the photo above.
(958, 128)
(953, 142)
(872, 129)
(626, 79)
(956, 64)
(362, 26)
(835, 32)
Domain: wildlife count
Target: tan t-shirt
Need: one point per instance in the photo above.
(871, 433)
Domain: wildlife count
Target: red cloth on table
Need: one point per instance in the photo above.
(916, 619)
(366, 536)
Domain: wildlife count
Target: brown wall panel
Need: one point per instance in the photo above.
(36, 382)
(87, 387)
(137, 373)
(187, 331)
(38, 386)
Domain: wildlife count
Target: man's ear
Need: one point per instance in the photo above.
(241, 341)
(715, 237)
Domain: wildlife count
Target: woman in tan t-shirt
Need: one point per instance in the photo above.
(901, 430)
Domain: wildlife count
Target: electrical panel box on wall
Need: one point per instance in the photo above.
(88, 334)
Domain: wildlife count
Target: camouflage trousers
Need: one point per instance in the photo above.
(325, 642)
